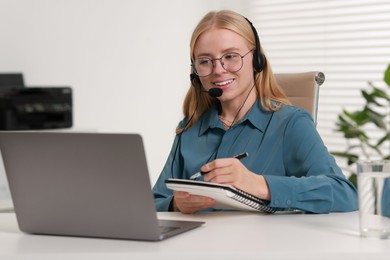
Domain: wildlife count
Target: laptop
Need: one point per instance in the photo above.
(83, 184)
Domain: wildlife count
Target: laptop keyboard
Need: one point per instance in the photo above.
(166, 229)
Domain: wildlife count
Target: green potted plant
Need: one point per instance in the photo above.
(355, 127)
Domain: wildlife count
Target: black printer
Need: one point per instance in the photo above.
(33, 108)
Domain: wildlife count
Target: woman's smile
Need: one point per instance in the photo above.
(223, 84)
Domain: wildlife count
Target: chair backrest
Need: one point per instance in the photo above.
(302, 89)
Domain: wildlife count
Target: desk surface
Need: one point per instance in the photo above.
(225, 235)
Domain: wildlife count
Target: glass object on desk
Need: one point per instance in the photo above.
(374, 198)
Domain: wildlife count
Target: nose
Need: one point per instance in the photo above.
(218, 66)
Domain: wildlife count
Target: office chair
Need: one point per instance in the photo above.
(302, 89)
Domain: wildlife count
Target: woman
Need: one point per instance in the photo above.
(288, 164)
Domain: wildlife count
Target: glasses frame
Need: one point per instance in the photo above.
(220, 60)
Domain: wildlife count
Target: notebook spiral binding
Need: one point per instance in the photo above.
(252, 201)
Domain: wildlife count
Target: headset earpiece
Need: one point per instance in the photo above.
(193, 76)
(195, 80)
(258, 56)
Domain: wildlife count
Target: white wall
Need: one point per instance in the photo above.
(127, 61)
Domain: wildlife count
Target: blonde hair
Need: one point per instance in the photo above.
(197, 102)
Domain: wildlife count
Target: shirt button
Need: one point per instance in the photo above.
(288, 202)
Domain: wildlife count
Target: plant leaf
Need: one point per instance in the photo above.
(351, 132)
(359, 117)
(376, 118)
(383, 139)
(353, 180)
(368, 97)
(387, 76)
(351, 158)
(351, 147)
(380, 93)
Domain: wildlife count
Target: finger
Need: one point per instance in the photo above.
(217, 163)
(228, 170)
(181, 194)
(193, 203)
(197, 205)
(222, 179)
(190, 209)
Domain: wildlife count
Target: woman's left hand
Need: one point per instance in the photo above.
(231, 171)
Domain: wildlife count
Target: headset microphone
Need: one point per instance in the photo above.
(214, 92)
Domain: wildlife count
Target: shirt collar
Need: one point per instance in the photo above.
(257, 116)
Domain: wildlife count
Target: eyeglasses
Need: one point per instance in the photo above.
(231, 62)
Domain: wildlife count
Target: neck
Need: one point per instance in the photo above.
(237, 109)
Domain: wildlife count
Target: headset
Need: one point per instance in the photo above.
(258, 57)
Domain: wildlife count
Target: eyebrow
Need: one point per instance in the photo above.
(232, 49)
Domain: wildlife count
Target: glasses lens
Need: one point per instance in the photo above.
(203, 66)
(231, 62)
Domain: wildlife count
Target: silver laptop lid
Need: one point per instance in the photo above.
(80, 184)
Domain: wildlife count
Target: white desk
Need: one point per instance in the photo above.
(224, 236)
(6, 205)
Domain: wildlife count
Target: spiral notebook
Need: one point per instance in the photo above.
(226, 196)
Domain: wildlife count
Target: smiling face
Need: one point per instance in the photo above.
(215, 43)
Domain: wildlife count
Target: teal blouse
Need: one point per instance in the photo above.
(284, 146)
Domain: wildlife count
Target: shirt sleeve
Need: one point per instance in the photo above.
(315, 183)
(172, 169)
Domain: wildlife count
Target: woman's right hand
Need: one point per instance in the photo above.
(188, 204)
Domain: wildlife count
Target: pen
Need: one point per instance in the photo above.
(238, 156)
